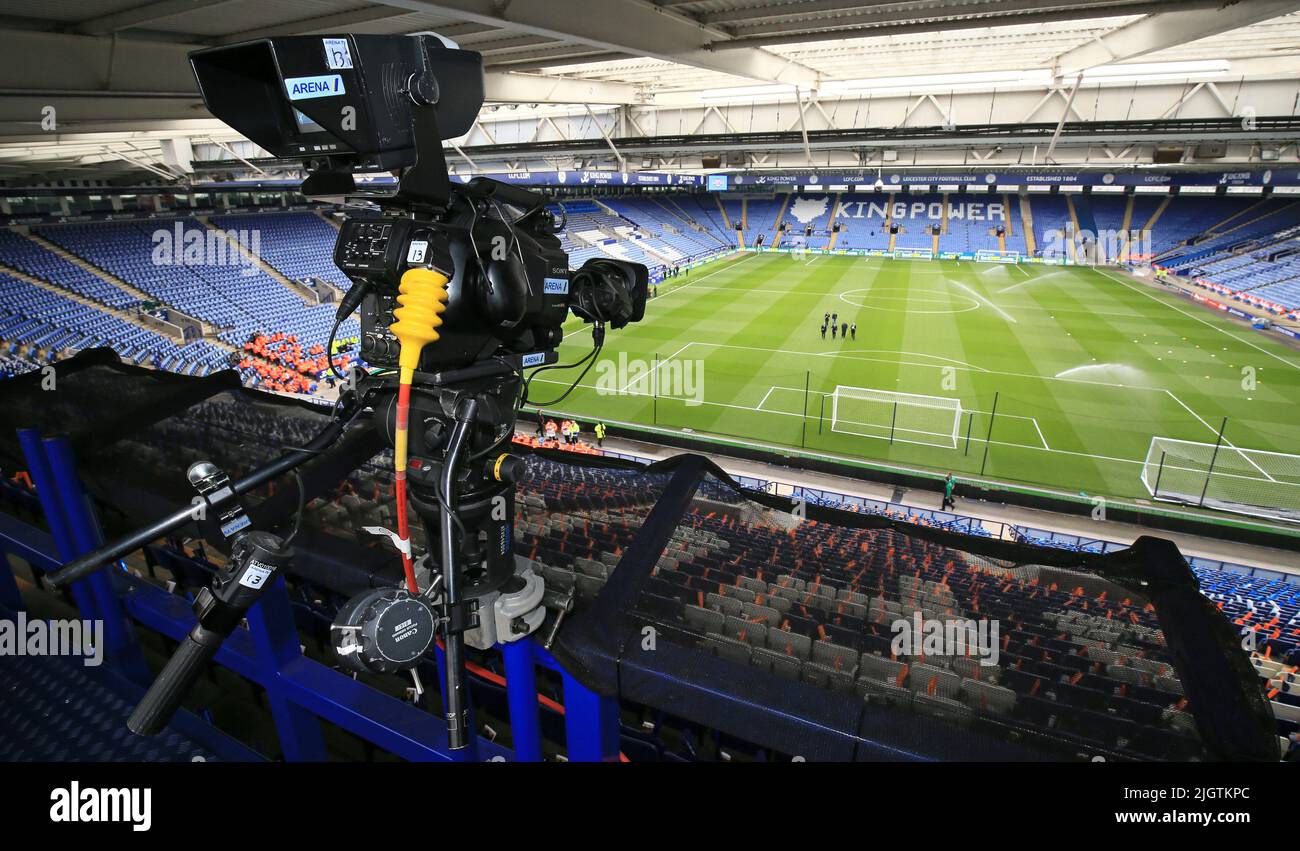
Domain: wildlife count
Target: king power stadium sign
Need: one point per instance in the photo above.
(808, 208)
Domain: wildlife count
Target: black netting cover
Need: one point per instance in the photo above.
(821, 634)
(849, 636)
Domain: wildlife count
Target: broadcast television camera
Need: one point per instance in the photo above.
(360, 103)
(462, 288)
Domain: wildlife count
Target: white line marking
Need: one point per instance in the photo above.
(1034, 420)
(707, 274)
(851, 355)
(654, 372)
(788, 414)
(1199, 319)
(1226, 442)
(963, 410)
(818, 294)
(765, 395)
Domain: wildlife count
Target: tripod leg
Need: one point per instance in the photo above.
(453, 689)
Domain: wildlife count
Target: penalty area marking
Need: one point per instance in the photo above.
(654, 372)
(749, 408)
(800, 391)
(1226, 442)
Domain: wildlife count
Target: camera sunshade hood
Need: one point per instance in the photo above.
(345, 99)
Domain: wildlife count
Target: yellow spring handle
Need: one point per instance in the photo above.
(422, 296)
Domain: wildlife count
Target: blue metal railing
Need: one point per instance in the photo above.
(301, 692)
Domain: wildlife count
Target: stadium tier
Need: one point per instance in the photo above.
(1253, 255)
(815, 602)
(299, 245)
(1247, 248)
(25, 255)
(222, 287)
(37, 324)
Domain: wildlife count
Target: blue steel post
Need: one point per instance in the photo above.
(390, 724)
(275, 637)
(590, 723)
(122, 649)
(521, 691)
(38, 467)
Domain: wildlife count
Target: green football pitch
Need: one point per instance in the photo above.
(1085, 367)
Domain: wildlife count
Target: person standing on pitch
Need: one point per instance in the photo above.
(949, 485)
(844, 330)
(833, 327)
(853, 330)
(835, 319)
(823, 330)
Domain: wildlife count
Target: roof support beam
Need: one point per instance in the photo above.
(803, 16)
(464, 156)
(623, 26)
(1069, 105)
(236, 156)
(1169, 29)
(622, 163)
(91, 78)
(894, 22)
(165, 175)
(803, 127)
(149, 13)
(319, 24)
(505, 87)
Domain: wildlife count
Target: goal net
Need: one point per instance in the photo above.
(902, 417)
(913, 254)
(985, 255)
(1225, 477)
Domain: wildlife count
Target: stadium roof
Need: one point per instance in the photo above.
(116, 72)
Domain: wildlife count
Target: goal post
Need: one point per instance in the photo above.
(896, 417)
(913, 254)
(985, 255)
(1224, 477)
